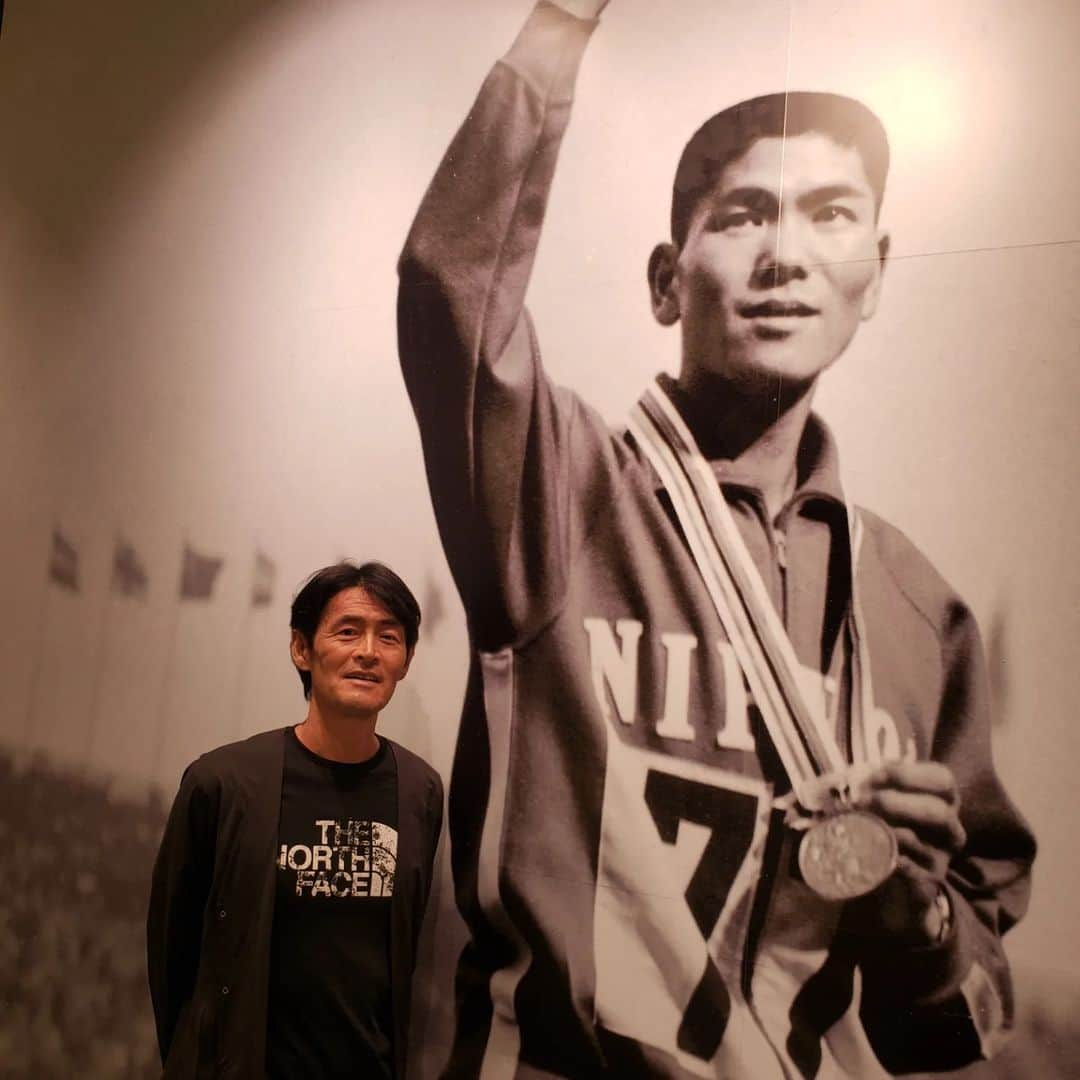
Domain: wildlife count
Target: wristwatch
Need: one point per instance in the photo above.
(942, 906)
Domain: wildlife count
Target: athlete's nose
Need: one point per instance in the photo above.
(785, 255)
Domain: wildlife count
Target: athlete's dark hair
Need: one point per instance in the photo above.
(374, 578)
(729, 134)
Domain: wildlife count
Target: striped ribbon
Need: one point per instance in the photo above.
(799, 728)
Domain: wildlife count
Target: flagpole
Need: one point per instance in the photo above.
(241, 670)
(166, 683)
(99, 678)
(197, 575)
(264, 571)
(35, 670)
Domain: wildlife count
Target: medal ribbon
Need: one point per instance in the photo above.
(801, 733)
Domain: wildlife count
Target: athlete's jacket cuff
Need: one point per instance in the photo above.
(548, 50)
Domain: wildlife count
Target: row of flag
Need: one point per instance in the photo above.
(198, 571)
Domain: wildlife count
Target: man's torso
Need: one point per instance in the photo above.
(330, 980)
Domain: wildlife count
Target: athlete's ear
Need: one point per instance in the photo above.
(873, 290)
(300, 651)
(665, 301)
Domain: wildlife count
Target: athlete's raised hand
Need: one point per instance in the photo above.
(921, 802)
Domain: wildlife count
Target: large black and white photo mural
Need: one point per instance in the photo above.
(709, 371)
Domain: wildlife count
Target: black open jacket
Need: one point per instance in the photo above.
(212, 905)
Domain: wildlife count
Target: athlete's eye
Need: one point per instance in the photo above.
(738, 220)
(834, 214)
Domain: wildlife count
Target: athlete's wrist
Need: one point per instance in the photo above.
(583, 9)
(938, 918)
(929, 923)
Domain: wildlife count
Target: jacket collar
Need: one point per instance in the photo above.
(817, 461)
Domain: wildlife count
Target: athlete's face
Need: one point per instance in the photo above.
(781, 262)
(357, 656)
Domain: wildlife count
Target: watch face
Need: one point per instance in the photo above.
(848, 854)
(944, 909)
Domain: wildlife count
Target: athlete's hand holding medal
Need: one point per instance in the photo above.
(920, 801)
(885, 834)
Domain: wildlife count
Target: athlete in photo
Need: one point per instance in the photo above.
(294, 871)
(723, 802)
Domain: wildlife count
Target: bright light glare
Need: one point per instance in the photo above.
(919, 106)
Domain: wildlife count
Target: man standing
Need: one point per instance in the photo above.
(723, 799)
(295, 867)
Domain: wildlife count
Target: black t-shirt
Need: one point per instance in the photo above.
(330, 1008)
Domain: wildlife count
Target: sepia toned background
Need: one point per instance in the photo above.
(201, 206)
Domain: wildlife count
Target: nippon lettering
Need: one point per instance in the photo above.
(615, 651)
(613, 658)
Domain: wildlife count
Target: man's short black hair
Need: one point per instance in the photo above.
(728, 135)
(377, 580)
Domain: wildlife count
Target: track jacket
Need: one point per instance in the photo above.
(617, 850)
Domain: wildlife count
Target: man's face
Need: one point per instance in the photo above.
(780, 263)
(357, 656)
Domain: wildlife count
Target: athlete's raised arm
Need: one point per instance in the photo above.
(495, 434)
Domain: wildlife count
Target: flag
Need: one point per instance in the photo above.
(433, 609)
(63, 561)
(128, 573)
(262, 583)
(198, 574)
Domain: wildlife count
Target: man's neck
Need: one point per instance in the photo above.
(758, 430)
(337, 737)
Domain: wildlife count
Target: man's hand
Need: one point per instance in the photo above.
(920, 800)
(583, 9)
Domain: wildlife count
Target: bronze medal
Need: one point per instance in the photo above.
(847, 854)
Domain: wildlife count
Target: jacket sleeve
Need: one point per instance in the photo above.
(180, 887)
(495, 434)
(941, 1007)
